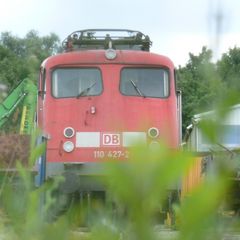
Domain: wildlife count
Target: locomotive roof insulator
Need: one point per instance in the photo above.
(110, 44)
(122, 39)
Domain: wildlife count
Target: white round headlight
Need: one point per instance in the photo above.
(68, 132)
(110, 54)
(68, 146)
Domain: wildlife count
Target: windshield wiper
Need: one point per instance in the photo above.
(137, 89)
(86, 90)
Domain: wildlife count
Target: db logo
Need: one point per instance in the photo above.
(111, 139)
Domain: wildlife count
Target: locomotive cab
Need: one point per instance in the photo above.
(104, 94)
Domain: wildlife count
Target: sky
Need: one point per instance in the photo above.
(176, 27)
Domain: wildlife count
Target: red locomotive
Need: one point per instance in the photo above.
(102, 95)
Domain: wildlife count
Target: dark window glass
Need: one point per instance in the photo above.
(76, 82)
(145, 82)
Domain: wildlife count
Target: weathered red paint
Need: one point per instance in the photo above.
(114, 113)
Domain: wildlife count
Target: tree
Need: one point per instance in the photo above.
(39, 48)
(229, 68)
(12, 43)
(21, 57)
(11, 67)
(200, 85)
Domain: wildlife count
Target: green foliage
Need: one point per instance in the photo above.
(200, 84)
(26, 206)
(10, 67)
(20, 58)
(229, 68)
(206, 85)
(139, 188)
(199, 212)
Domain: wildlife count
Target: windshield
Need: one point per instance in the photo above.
(76, 82)
(145, 82)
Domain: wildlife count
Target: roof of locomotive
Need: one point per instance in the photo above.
(104, 38)
(90, 46)
(129, 57)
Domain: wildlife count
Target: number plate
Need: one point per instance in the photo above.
(111, 154)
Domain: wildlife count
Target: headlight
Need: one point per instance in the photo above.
(68, 146)
(153, 132)
(68, 132)
(110, 54)
(154, 145)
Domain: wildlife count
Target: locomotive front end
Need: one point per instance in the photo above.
(101, 97)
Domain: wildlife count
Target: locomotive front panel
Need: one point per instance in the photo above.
(99, 112)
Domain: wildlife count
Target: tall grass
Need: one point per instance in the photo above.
(137, 190)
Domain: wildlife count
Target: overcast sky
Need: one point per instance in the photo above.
(176, 27)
